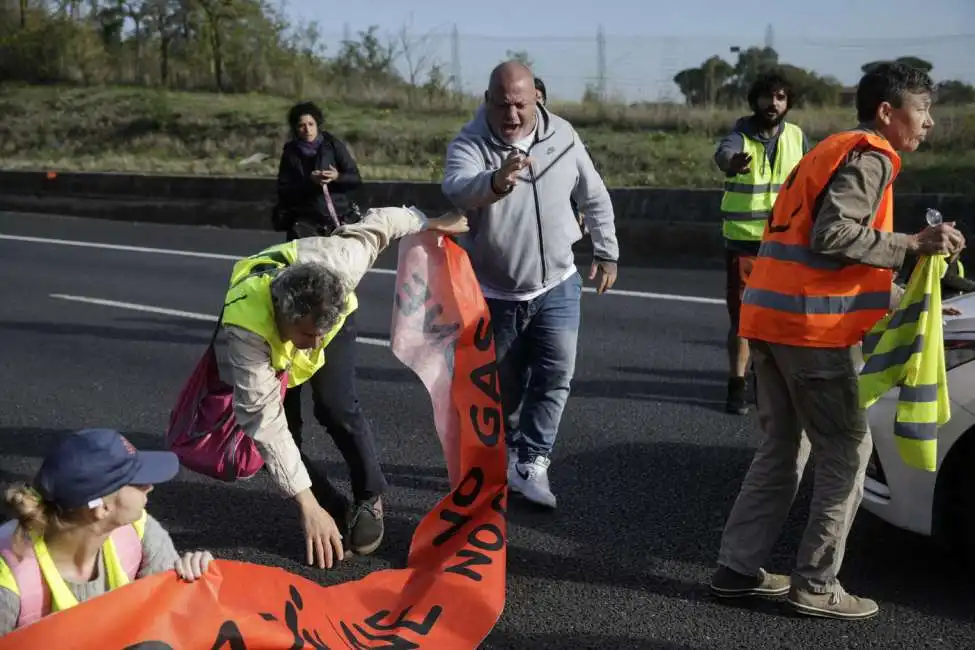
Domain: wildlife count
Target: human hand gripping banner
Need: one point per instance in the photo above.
(453, 590)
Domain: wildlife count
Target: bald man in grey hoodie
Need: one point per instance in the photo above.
(514, 169)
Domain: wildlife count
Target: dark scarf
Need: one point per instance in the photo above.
(308, 149)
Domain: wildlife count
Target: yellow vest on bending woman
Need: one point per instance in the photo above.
(248, 306)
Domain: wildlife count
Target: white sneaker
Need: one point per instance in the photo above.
(531, 480)
(512, 461)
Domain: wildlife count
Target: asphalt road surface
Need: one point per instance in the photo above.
(646, 466)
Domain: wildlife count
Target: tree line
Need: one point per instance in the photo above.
(719, 83)
(251, 46)
(221, 45)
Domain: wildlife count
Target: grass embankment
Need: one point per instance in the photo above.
(135, 129)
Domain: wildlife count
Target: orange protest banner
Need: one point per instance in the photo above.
(453, 590)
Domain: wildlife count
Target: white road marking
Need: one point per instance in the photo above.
(119, 247)
(174, 312)
(647, 295)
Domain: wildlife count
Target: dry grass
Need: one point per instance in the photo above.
(135, 129)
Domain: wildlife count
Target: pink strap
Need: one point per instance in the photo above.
(129, 548)
(35, 598)
(331, 206)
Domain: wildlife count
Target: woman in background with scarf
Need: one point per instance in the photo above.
(315, 176)
(316, 170)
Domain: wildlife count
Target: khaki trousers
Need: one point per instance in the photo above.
(807, 401)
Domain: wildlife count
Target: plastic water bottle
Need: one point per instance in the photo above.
(933, 217)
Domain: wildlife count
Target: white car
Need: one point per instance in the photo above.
(939, 504)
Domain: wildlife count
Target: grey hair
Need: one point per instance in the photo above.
(308, 289)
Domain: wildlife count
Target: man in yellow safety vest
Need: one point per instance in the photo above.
(284, 306)
(756, 157)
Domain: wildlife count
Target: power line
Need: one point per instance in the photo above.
(601, 62)
(455, 59)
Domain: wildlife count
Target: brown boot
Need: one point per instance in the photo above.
(835, 604)
(730, 584)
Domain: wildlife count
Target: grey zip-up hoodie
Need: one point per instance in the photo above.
(522, 241)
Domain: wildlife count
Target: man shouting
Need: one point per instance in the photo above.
(514, 168)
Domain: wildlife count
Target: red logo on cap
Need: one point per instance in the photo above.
(128, 446)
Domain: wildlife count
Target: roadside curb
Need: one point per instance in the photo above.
(652, 224)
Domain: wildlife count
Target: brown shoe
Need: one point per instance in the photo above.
(835, 604)
(730, 584)
(366, 526)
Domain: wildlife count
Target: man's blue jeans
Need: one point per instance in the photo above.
(535, 344)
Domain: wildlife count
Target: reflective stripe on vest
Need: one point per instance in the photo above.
(796, 296)
(961, 269)
(248, 305)
(749, 197)
(906, 350)
(40, 587)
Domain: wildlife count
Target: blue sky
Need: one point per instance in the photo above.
(649, 41)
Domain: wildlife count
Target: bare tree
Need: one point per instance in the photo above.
(417, 52)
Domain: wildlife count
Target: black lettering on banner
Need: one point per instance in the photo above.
(485, 379)
(492, 418)
(229, 638)
(460, 498)
(415, 296)
(291, 609)
(497, 504)
(412, 297)
(487, 422)
(456, 521)
(149, 645)
(485, 537)
(483, 335)
(449, 353)
(475, 476)
(390, 641)
(442, 332)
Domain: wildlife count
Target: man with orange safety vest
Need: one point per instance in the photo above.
(822, 279)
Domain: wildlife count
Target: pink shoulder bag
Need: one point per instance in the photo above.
(203, 429)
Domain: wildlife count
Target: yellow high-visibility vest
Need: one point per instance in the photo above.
(121, 552)
(749, 197)
(248, 305)
(906, 350)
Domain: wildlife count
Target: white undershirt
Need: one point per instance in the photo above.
(525, 144)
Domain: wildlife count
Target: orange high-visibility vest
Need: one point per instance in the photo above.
(795, 296)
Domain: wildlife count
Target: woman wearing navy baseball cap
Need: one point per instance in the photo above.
(81, 528)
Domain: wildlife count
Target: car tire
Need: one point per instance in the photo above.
(954, 503)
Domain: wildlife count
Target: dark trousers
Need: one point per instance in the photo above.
(336, 407)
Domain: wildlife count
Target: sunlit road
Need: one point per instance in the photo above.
(646, 466)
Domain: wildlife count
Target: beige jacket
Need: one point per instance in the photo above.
(244, 357)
